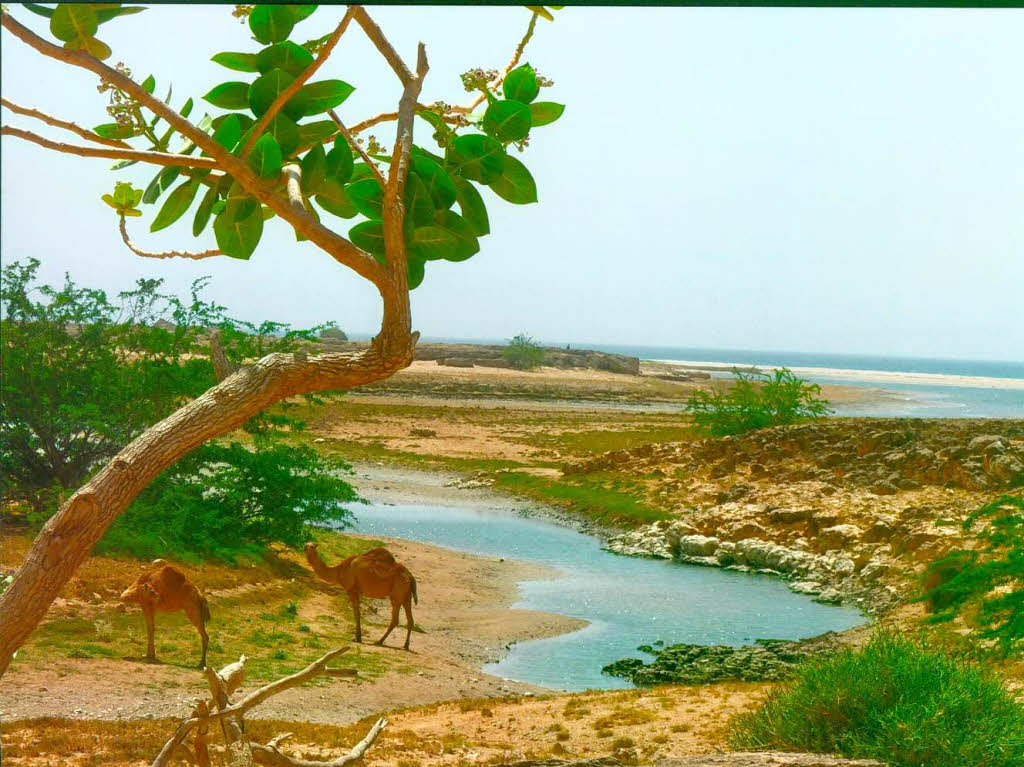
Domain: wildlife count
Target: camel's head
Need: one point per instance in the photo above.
(311, 550)
(139, 593)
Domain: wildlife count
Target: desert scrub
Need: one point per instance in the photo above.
(523, 353)
(756, 400)
(896, 700)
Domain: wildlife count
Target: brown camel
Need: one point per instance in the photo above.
(167, 590)
(375, 575)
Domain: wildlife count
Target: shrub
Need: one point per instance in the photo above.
(523, 353)
(755, 401)
(895, 700)
(333, 333)
(990, 578)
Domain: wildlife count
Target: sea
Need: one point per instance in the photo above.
(915, 387)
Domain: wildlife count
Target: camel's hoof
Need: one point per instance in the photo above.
(379, 643)
(151, 660)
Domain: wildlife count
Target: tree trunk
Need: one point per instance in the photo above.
(66, 540)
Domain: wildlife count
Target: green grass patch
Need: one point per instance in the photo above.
(897, 700)
(595, 441)
(586, 495)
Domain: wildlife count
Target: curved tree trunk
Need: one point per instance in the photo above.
(68, 537)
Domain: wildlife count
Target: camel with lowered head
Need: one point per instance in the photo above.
(167, 590)
(376, 575)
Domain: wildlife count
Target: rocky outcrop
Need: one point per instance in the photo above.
(483, 355)
(765, 660)
(737, 759)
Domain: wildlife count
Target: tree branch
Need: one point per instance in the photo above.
(357, 148)
(270, 755)
(56, 123)
(167, 254)
(504, 73)
(293, 185)
(297, 83)
(382, 44)
(339, 248)
(154, 158)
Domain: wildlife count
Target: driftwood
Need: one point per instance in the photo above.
(240, 750)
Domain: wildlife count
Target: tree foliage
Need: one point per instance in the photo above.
(83, 375)
(523, 352)
(989, 579)
(756, 400)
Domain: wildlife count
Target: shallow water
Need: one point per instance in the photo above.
(629, 601)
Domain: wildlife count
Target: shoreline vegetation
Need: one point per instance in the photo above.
(609, 453)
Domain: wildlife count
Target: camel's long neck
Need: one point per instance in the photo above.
(323, 572)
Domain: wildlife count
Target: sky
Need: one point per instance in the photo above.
(821, 180)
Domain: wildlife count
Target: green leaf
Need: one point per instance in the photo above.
(286, 56)
(265, 157)
(474, 212)
(271, 23)
(229, 132)
(476, 157)
(340, 161)
(204, 211)
(238, 237)
(466, 243)
(266, 89)
(233, 95)
(333, 198)
(507, 120)
(239, 204)
(91, 45)
(545, 112)
(316, 132)
(106, 14)
(122, 164)
(285, 133)
(175, 206)
(318, 97)
(360, 171)
(431, 243)
(515, 184)
(160, 184)
(521, 84)
(123, 193)
(240, 62)
(369, 236)
(416, 270)
(300, 12)
(439, 185)
(186, 109)
(39, 10)
(419, 206)
(115, 130)
(71, 21)
(368, 197)
(149, 84)
(109, 200)
(314, 170)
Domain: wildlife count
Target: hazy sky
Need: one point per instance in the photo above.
(845, 180)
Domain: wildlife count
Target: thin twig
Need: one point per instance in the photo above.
(357, 148)
(297, 83)
(153, 158)
(504, 73)
(88, 135)
(167, 254)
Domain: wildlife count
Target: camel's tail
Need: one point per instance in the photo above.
(204, 609)
(415, 598)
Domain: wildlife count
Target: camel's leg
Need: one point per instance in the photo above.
(395, 607)
(408, 619)
(150, 631)
(353, 598)
(194, 614)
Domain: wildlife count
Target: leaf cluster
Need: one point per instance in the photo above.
(523, 352)
(755, 401)
(989, 579)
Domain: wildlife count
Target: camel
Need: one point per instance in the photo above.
(167, 590)
(375, 575)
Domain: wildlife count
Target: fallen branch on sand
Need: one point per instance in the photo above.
(230, 715)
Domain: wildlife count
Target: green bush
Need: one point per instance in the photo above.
(895, 700)
(755, 401)
(523, 353)
(990, 578)
(223, 501)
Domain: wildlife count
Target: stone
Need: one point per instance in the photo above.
(982, 441)
(884, 488)
(838, 536)
(789, 516)
(882, 530)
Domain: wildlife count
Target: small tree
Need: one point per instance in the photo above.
(989, 578)
(334, 333)
(269, 154)
(523, 352)
(756, 400)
